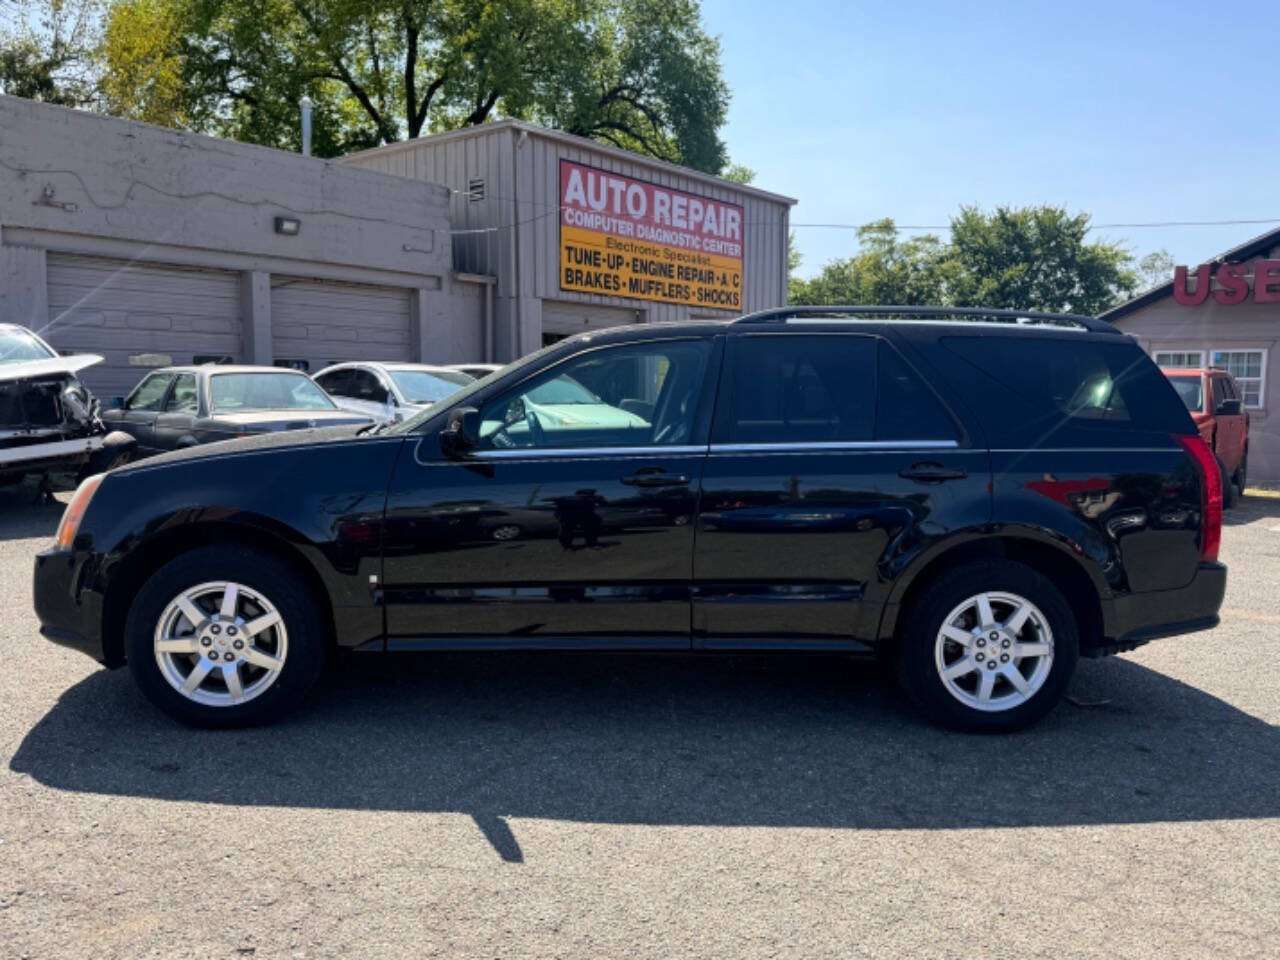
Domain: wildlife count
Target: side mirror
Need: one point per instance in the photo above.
(117, 403)
(1228, 408)
(462, 433)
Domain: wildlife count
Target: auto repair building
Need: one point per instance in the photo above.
(152, 246)
(1224, 313)
(582, 235)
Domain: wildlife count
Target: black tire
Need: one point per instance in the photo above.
(1242, 473)
(1228, 488)
(118, 448)
(299, 609)
(918, 636)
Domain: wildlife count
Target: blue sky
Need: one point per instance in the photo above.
(1129, 111)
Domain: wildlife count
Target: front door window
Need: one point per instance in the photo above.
(634, 396)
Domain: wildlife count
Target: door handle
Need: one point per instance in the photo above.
(930, 471)
(656, 479)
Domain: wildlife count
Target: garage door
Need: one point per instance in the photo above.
(322, 322)
(135, 314)
(561, 320)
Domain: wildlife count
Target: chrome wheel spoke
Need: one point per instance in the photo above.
(259, 624)
(230, 600)
(178, 645)
(1015, 677)
(260, 658)
(197, 675)
(1018, 619)
(195, 616)
(986, 684)
(1031, 649)
(957, 635)
(986, 616)
(231, 676)
(958, 669)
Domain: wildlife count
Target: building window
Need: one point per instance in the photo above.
(1179, 358)
(1248, 367)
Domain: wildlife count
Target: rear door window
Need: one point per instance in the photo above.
(797, 389)
(336, 383)
(366, 386)
(183, 397)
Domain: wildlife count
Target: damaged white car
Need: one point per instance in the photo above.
(49, 420)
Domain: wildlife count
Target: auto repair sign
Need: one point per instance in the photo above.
(621, 237)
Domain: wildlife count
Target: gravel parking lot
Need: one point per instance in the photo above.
(575, 806)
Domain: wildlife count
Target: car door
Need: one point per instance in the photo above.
(831, 460)
(1230, 425)
(176, 421)
(142, 407)
(570, 524)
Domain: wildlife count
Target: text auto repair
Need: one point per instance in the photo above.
(635, 239)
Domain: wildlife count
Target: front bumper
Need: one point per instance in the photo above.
(1141, 617)
(69, 614)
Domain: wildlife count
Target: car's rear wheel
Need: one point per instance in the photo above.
(988, 647)
(1228, 487)
(225, 636)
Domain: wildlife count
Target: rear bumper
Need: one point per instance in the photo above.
(1141, 617)
(69, 615)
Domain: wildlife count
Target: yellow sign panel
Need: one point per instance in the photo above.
(621, 237)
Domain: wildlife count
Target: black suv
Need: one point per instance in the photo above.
(979, 496)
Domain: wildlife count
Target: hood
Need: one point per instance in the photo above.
(26, 369)
(282, 440)
(266, 419)
(585, 415)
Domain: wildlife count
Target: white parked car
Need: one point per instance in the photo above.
(389, 392)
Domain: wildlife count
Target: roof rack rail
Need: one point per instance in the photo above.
(972, 314)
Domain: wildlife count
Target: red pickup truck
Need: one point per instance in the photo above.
(1216, 406)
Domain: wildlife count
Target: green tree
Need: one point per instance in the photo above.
(47, 50)
(637, 73)
(1033, 258)
(1154, 269)
(1028, 258)
(886, 269)
(144, 81)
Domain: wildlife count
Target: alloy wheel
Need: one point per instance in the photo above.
(994, 651)
(220, 643)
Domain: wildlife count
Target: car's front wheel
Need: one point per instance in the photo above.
(988, 647)
(225, 636)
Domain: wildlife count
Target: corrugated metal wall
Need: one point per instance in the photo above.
(324, 322)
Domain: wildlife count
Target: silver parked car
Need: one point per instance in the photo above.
(389, 392)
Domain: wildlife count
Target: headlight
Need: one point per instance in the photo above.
(74, 513)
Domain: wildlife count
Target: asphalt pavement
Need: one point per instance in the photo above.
(647, 806)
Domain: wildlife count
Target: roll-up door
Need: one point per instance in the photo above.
(137, 314)
(324, 322)
(561, 319)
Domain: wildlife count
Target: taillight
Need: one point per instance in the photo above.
(1210, 494)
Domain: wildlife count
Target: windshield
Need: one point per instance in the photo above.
(420, 386)
(18, 346)
(1191, 391)
(244, 392)
(563, 389)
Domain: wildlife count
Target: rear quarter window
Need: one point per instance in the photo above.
(1038, 386)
